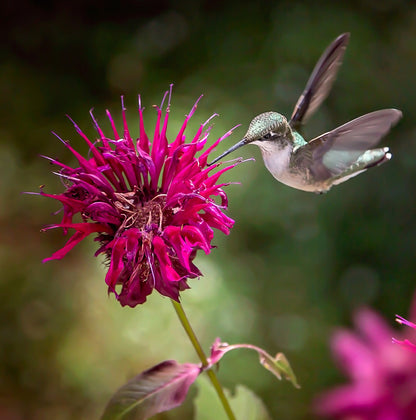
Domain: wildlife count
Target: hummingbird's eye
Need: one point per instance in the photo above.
(271, 135)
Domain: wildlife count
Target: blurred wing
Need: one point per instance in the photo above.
(335, 151)
(320, 81)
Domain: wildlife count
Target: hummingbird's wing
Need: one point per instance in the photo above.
(320, 81)
(334, 152)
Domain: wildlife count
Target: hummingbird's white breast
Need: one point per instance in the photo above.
(276, 158)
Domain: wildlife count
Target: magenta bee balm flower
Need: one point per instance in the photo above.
(406, 343)
(382, 374)
(152, 203)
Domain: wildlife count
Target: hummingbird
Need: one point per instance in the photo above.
(332, 157)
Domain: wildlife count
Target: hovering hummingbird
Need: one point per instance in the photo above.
(330, 158)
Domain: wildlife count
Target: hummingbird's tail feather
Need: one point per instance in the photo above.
(377, 156)
(369, 159)
(347, 149)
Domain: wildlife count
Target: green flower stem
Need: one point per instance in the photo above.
(197, 346)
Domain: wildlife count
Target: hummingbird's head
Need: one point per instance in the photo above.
(268, 126)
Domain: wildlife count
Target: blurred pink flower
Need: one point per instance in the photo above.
(405, 343)
(383, 375)
(151, 202)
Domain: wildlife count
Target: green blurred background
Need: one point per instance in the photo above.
(295, 266)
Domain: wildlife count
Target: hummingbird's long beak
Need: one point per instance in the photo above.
(231, 149)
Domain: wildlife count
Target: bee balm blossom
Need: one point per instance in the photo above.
(153, 205)
(406, 343)
(382, 375)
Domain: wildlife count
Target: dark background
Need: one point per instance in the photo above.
(295, 266)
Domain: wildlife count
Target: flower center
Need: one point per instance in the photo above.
(142, 214)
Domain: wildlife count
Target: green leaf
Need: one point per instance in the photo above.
(279, 366)
(158, 389)
(245, 404)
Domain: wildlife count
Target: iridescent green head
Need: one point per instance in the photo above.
(265, 126)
